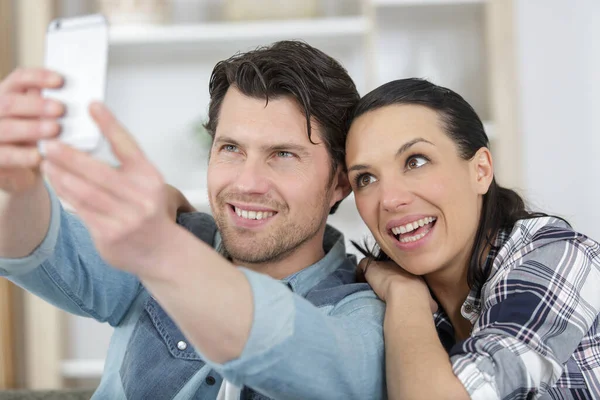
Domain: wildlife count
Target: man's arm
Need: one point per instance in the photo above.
(220, 308)
(254, 331)
(66, 270)
(25, 118)
(24, 220)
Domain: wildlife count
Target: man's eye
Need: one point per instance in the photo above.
(364, 180)
(230, 148)
(284, 154)
(416, 162)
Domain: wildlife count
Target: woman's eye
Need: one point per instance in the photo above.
(416, 162)
(364, 180)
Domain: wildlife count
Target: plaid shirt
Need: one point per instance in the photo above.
(536, 326)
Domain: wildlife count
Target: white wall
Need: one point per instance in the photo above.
(559, 74)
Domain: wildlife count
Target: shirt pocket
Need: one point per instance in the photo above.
(159, 360)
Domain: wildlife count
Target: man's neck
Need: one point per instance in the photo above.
(304, 256)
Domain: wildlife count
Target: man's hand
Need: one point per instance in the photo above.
(177, 203)
(25, 118)
(125, 208)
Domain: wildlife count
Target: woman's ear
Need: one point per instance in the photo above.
(483, 169)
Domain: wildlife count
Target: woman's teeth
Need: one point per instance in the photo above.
(411, 226)
(409, 239)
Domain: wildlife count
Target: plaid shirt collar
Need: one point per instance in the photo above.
(471, 307)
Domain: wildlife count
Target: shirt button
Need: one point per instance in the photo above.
(468, 308)
(181, 345)
(210, 380)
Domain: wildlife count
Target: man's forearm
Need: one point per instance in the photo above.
(24, 221)
(208, 297)
(416, 363)
(276, 342)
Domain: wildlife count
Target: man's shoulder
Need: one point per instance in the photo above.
(202, 225)
(340, 287)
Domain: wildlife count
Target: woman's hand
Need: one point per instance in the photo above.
(386, 276)
(177, 203)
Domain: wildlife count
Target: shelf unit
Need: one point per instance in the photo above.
(159, 75)
(408, 3)
(338, 28)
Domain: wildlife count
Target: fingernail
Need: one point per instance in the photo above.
(95, 107)
(54, 79)
(33, 157)
(48, 128)
(52, 108)
(50, 146)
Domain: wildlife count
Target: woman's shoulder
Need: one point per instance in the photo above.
(530, 226)
(534, 233)
(541, 243)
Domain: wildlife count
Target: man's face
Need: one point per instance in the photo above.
(270, 188)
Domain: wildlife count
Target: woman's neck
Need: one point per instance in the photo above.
(451, 289)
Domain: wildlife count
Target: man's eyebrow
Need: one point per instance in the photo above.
(402, 149)
(291, 147)
(226, 139)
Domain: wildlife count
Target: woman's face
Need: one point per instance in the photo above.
(418, 197)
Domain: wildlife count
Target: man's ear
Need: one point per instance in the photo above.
(341, 186)
(483, 169)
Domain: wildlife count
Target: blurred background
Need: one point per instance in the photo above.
(530, 68)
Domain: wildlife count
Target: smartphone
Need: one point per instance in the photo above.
(77, 48)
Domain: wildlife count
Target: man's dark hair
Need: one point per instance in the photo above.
(319, 84)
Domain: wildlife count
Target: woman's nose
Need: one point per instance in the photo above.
(395, 196)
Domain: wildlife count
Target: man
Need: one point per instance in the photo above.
(289, 323)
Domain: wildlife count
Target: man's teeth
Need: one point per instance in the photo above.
(411, 226)
(253, 214)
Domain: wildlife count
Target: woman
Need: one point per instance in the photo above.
(514, 294)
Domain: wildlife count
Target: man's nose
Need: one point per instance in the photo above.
(252, 178)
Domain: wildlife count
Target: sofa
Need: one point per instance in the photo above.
(70, 394)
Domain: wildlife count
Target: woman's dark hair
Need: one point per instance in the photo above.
(318, 83)
(502, 207)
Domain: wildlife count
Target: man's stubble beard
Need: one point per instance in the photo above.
(274, 244)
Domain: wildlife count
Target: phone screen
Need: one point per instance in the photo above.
(77, 48)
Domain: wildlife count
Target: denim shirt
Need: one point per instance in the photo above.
(316, 334)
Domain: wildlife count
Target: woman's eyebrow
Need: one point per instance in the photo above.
(411, 143)
(402, 149)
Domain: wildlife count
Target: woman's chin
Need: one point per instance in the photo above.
(417, 265)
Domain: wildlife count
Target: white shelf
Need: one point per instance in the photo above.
(399, 3)
(82, 369)
(339, 27)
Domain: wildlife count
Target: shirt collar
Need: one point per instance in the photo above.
(471, 308)
(303, 281)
